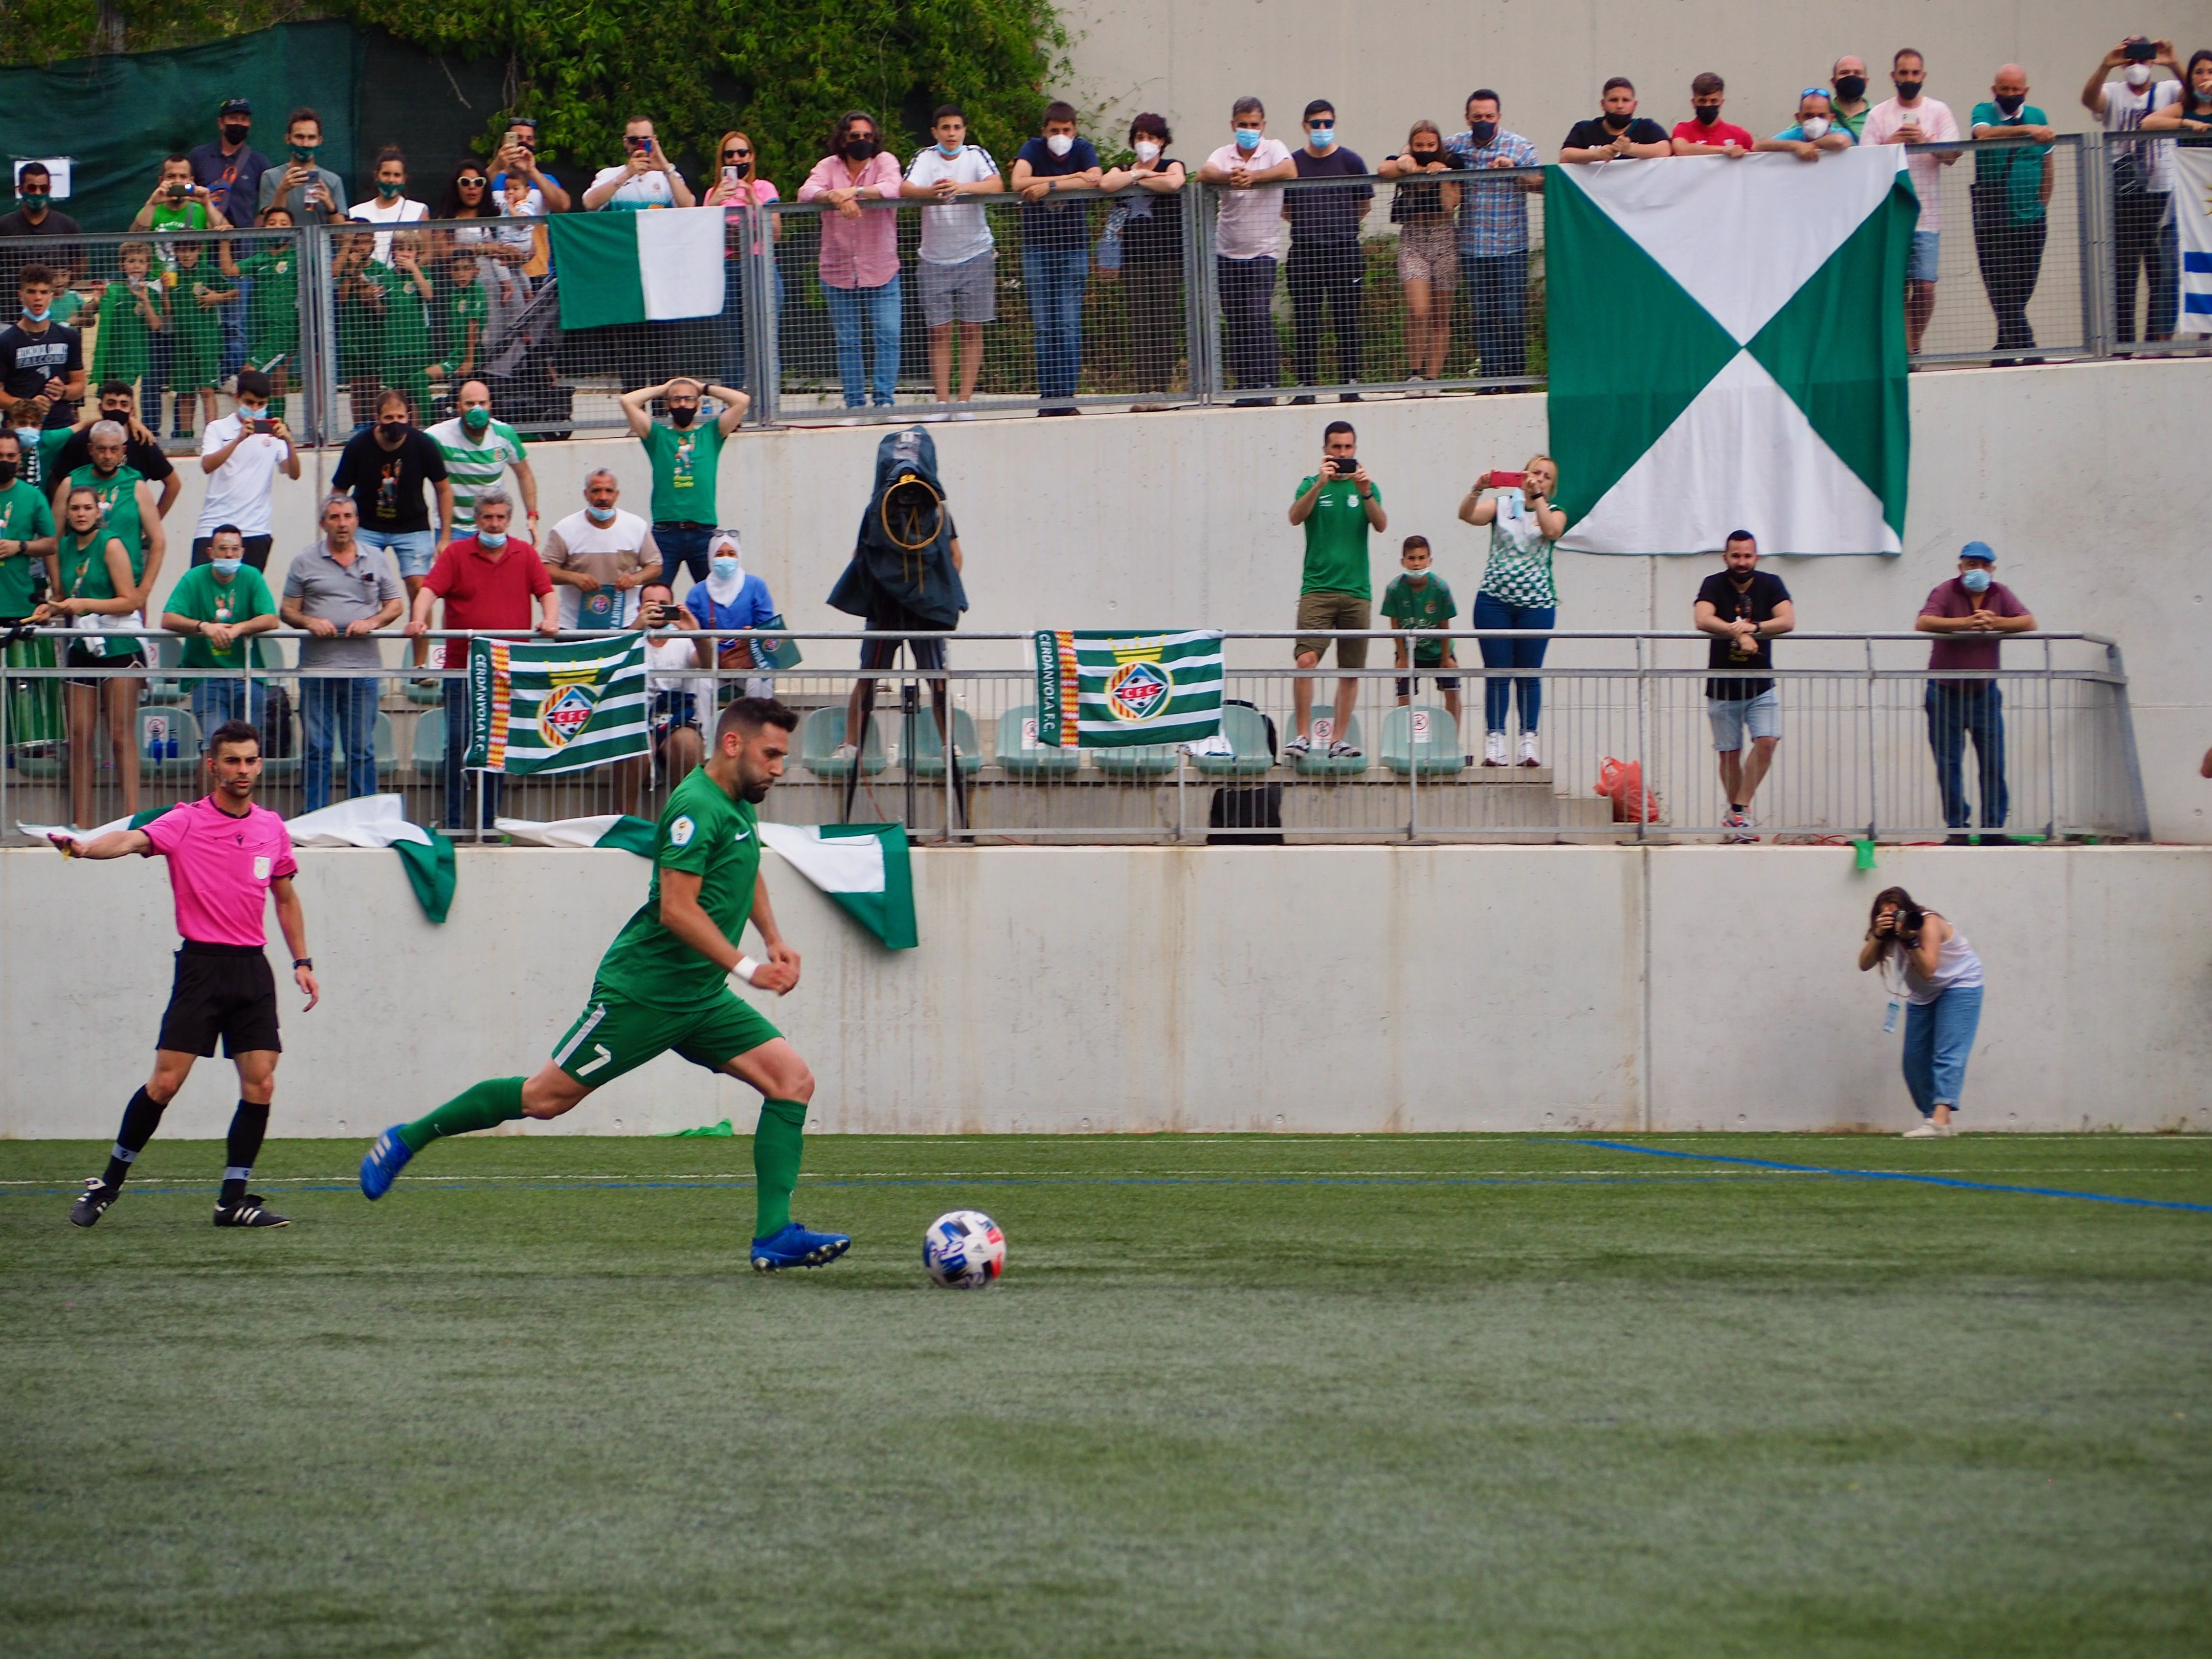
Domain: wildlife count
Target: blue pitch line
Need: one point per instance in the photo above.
(1901, 1174)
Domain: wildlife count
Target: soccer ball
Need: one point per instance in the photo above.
(964, 1250)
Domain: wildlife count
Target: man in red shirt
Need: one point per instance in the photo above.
(1971, 612)
(1707, 134)
(487, 582)
(227, 858)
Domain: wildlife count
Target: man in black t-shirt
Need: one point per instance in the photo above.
(1326, 262)
(385, 468)
(1619, 134)
(1743, 608)
(40, 357)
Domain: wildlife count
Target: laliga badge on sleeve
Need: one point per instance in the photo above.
(1889, 1019)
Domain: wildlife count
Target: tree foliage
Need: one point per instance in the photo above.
(782, 71)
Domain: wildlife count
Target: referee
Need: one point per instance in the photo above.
(226, 856)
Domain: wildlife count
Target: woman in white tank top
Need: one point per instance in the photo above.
(1929, 962)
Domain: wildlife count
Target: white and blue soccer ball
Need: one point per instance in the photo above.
(964, 1250)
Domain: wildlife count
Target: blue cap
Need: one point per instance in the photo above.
(1978, 551)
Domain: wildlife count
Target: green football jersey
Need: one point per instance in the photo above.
(684, 468)
(24, 517)
(705, 832)
(119, 508)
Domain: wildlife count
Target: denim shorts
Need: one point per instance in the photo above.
(414, 551)
(1922, 266)
(1733, 717)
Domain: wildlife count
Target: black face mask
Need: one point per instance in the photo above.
(1908, 90)
(2011, 106)
(7, 473)
(682, 415)
(1706, 113)
(1618, 123)
(860, 149)
(235, 135)
(394, 431)
(1482, 131)
(1850, 88)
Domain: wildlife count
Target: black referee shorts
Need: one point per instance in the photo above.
(223, 991)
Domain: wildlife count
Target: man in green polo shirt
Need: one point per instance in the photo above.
(477, 449)
(219, 606)
(685, 457)
(1338, 506)
(2013, 180)
(127, 508)
(27, 532)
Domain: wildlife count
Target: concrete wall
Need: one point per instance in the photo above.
(1385, 68)
(2082, 476)
(1318, 990)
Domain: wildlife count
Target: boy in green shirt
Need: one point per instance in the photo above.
(407, 296)
(27, 532)
(219, 606)
(196, 323)
(1418, 599)
(130, 313)
(467, 314)
(272, 301)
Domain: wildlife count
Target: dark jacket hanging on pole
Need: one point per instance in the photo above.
(903, 554)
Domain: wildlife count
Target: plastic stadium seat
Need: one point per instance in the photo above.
(1021, 756)
(1247, 732)
(1436, 751)
(1316, 763)
(1151, 760)
(431, 745)
(428, 696)
(387, 758)
(170, 727)
(160, 690)
(823, 730)
(929, 746)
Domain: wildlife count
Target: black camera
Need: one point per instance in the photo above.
(1910, 918)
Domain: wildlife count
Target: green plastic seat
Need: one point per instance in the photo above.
(928, 756)
(823, 730)
(1151, 760)
(1434, 751)
(387, 758)
(428, 696)
(160, 690)
(1315, 762)
(1021, 756)
(1247, 732)
(165, 726)
(430, 746)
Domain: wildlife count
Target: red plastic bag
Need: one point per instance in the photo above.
(1623, 781)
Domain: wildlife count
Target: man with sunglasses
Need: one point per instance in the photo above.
(518, 153)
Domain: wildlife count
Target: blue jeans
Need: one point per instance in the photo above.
(214, 702)
(880, 306)
(1527, 689)
(1055, 277)
(414, 551)
(457, 749)
(1938, 1037)
(683, 546)
(1957, 709)
(1248, 299)
(343, 711)
(1498, 298)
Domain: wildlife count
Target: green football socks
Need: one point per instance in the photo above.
(489, 1103)
(777, 1142)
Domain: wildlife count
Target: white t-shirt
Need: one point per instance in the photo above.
(673, 665)
(1251, 222)
(402, 211)
(645, 190)
(2124, 109)
(958, 232)
(1937, 126)
(238, 490)
(618, 547)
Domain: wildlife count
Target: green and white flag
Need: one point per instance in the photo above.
(1727, 344)
(556, 708)
(637, 267)
(1097, 690)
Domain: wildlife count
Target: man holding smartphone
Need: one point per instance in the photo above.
(518, 153)
(645, 179)
(1337, 506)
(242, 454)
(300, 186)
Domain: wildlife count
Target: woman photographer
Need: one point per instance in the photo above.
(1928, 961)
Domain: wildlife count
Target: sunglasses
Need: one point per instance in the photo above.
(471, 184)
(737, 155)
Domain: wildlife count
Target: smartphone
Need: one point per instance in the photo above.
(729, 177)
(1508, 480)
(1344, 465)
(2142, 52)
(263, 424)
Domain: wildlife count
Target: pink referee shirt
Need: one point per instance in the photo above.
(220, 868)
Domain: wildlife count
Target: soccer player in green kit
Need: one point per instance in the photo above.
(663, 984)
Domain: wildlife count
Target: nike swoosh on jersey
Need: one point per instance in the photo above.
(742, 835)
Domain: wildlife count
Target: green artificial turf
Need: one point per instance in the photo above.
(1263, 1396)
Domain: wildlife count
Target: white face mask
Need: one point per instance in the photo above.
(1148, 150)
(2138, 74)
(1059, 143)
(1813, 126)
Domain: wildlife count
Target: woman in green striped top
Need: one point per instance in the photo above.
(1516, 592)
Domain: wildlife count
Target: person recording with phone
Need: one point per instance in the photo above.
(1928, 963)
(645, 179)
(304, 189)
(1517, 591)
(241, 455)
(518, 158)
(1338, 505)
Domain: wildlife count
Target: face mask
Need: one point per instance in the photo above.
(860, 149)
(393, 430)
(949, 148)
(682, 415)
(1706, 113)
(1320, 138)
(726, 568)
(600, 514)
(493, 539)
(1148, 150)
(1618, 123)
(476, 419)
(388, 192)
(1248, 139)
(2009, 103)
(303, 152)
(1059, 143)
(1975, 581)
(2138, 74)
(1415, 578)
(36, 200)
(7, 473)
(234, 134)
(31, 316)
(1848, 88)
(1813, 126)
(1481, 131)
(225, 569)
(1906, 91)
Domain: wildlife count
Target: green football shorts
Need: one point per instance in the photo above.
(613, 1036)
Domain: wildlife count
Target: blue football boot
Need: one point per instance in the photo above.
(795, 1246)
(384, 1162)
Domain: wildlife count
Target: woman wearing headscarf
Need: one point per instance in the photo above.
(732, 597)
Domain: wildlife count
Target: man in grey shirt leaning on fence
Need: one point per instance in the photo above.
(341, 592)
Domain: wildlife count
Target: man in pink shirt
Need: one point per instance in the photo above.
(226, 857)
(1969, 615)
(1913, 118)
(859, 262)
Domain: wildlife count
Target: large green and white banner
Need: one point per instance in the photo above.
(1727, 343)
(1100, 690)
(556, 708)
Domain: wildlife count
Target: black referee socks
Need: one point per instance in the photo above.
(247, 1126)
(140, 1119)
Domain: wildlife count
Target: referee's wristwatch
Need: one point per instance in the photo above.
(308, 962)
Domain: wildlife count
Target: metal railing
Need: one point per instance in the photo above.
(1855, 761)
(2046, 252)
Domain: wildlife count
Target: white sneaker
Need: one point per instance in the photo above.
(1738, 826)
(1493, 748)
(1927, 1129)
(1298, 745)
(1342, 752)
(845, 753)
(1528, 750)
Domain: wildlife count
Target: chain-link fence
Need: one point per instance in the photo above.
(1543, 737)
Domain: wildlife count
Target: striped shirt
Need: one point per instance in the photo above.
(1493, 215)
(473, 467)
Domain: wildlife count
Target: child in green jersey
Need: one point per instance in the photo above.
(129, 310)
(272, 299)
(196, 324)
(466, 310)
(407, 296)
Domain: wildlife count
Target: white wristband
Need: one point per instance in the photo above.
(745, 970)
